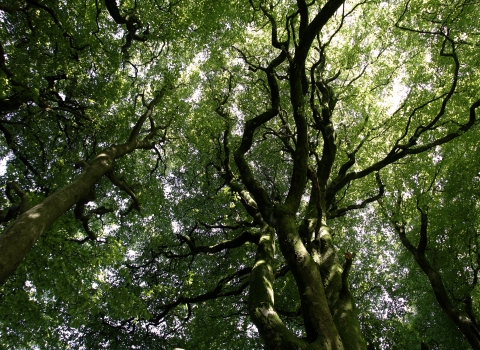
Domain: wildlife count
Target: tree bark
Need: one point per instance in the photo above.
(19, 238)
(462, 321)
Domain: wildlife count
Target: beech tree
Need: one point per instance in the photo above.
(238, 174)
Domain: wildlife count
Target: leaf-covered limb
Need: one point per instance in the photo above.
(147, 114)
(124, 187)
(342, 211)
(329, 149)
(231, 180)
(160, 159)
(131, 22)
(445, 99)
(240, 240)
(298, 89)
(462, 321)
(17, 240)
(252, 66)
(219, 291)
(399, 151)
(246, 174)
(61, 26)
(273, 23)
(84, 218)
(114, 11)
(351, 159)
(310, 31)
(394, 156)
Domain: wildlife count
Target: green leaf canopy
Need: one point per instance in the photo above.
(238, 174)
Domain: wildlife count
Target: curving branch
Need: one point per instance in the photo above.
(298, 91)
(253, 186)
(148, 115)
(273, 23)
(46, 8)
(466, 325)
(219, 291)
(54, 16)
(124, 187)
(15, 208)
(342, 211)
(304, 14)
(244, 237)
(310, 31)
(131, 22)
(401, 152)
(230, 179)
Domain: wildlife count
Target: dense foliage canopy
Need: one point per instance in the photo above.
(237, 174)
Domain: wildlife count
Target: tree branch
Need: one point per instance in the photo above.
(244, 237)
(254, 187)
(463, 322)
(124, 187)
(342, 211)
(212, 294)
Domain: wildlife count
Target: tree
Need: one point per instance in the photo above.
(190, 165)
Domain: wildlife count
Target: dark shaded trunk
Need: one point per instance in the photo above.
(464, 323)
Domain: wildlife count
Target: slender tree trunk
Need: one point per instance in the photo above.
(462, 321)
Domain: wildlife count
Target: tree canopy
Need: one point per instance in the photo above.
(239, 174)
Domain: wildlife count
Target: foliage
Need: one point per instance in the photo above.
(220, 161)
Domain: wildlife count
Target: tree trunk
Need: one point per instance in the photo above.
(19, 238)
(462, 321)
(327, 306)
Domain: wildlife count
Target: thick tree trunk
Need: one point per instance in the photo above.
(19, 238)
(317, 317)
(328, 311)
(327, 308)
(261, 298)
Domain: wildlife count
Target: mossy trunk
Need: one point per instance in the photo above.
(327, 305)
